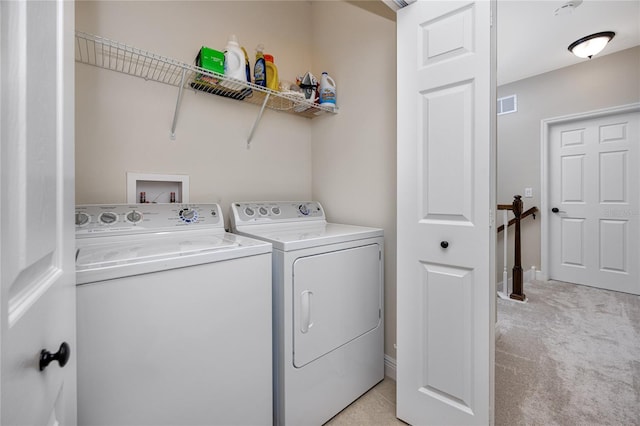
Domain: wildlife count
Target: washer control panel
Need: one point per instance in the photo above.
(276, 211)
(131, 218)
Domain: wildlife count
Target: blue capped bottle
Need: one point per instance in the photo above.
(259, 69)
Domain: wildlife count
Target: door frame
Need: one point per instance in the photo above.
(545, 131)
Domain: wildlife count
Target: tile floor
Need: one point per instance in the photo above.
(376, 407)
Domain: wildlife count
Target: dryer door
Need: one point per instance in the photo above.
(336, 298)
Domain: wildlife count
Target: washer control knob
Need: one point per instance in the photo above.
(108, 218)
(263, 211)
(249, 211)
(82, 218)
(134, 216)
(275, 210)
(188, 215)
(303, 209)
(444, 244)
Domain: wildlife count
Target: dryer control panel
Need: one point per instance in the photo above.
(256, 212)
(133, 218)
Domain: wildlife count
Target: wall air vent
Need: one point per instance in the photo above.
(403, 3)
(507, 105)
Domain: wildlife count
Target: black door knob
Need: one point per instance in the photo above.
(555, 210)
(444, 244)
(62, 356)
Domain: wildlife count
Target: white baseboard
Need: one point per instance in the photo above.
(527, 276)
(500, 288)
(389, 367)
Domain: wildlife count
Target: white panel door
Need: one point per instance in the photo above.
(37, 290)
(594, 196)
(446, 194)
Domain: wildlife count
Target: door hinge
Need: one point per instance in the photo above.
(492, 219)
(491, 18)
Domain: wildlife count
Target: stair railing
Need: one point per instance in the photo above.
(516, 207)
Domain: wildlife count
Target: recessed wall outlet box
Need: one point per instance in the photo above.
(528, 192)
(157, 188)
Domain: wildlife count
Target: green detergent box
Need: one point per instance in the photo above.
(210, 59)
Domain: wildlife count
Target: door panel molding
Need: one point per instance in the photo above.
(451, 382)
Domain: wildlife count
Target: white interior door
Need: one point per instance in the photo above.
(446, 199)
(37, 290)
(594, 194)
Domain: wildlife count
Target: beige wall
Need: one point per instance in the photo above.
(593, 84)
(123, 123)
(346, 161)
(354, 153)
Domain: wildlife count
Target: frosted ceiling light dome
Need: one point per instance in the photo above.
(591, 45)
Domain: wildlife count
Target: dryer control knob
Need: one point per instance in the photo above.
(304, 209)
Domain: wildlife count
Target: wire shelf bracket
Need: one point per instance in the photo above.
(178, 101)
(255, 124)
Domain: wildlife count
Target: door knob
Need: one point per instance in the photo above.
(62, 356)
(444, 244)
(557, 210)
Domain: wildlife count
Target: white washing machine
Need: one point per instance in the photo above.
(174, 318)
(327, 307)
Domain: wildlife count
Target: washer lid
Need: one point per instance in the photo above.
(297, 237)
(139, 250)
(106, 258)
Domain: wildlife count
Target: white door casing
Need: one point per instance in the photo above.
(446, 203)
(37, 288)
(590, 174)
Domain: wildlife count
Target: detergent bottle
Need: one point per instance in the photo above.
(247, 65)
(327, 91)
(234, 63)
(259, 69)
(272, 72)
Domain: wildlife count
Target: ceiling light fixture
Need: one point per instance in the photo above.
(591, 45)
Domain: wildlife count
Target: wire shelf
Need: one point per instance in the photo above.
(112, 55)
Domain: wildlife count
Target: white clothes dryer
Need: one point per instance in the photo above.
(327, 307)
(173, 318)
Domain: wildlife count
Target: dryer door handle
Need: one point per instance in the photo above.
(305, 311)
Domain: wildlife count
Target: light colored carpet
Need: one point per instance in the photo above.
(570, 356)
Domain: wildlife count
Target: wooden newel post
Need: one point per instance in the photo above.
(517, 293)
